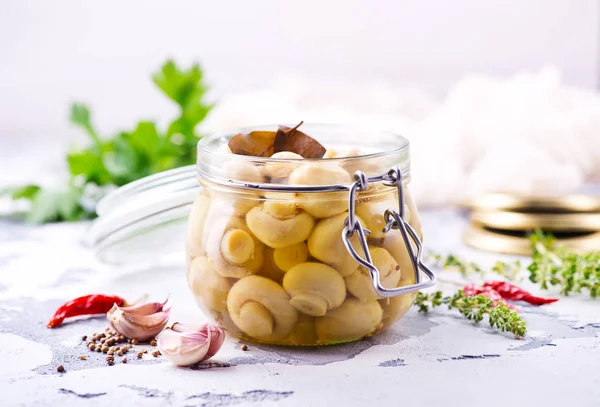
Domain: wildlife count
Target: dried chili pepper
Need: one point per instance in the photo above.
(86, 305)
(512, 292)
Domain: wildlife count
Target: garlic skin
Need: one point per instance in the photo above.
(185, 345)
(141, 322)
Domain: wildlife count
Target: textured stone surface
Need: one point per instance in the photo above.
(424, 359)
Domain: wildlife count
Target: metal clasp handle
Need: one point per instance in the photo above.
(394, 220)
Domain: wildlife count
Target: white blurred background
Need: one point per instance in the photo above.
(529, 121)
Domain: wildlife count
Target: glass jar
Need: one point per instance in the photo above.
(306, 251)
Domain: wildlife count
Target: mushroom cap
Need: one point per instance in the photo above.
(314, 288)
(321, 205)
(278, 233)
(360, 284)
(287, 257)
(325, 243)
(354, 319)
(281, 205)
(210, 289)
(261, 308)
(281, 170)
(233, 250)
(269, 268)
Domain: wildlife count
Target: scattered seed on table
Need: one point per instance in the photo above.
(60, 369)
(124, 360)
(153, 342)
(244, 347)
(84, 337)
(98, 349)
(145, 351)
(92, 347)
(110, 362)
(155, 353)
(135, 341)
(104, 349)
(140, 354)
(119, 353)
(83, 357)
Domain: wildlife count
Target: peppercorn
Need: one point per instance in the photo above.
(153, 342)
(244, 347)
(60, 369)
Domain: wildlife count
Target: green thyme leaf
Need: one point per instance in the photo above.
(475, 308)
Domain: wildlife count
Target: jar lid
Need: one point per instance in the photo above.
(506, 242)
(524, 221)
(144, 221)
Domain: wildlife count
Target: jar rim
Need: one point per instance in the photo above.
(204, 143)
(382, 151)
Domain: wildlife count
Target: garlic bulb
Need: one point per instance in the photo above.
(141, 322)
(185, 345)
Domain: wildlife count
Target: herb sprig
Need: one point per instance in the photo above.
(554, 265)
(125, 157)
(475, 308)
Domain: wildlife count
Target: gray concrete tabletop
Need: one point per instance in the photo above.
(438, 358)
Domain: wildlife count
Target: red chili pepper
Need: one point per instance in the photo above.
(86, 305)
(471, 290)
(512, 292)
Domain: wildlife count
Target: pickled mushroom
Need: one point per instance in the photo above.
(276, 232)
(260, 307)
(233, 250)
(290, 256)
(353, 320)
(314, 288)
(325, 244)
(360, 284)
(209, 287)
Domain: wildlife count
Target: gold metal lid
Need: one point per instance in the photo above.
(502, 222)
(557, 204)
(512, 243)
(551, 222)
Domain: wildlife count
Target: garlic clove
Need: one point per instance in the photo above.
(184, 344)
(215, 332)
(145, 309)
(141, 322)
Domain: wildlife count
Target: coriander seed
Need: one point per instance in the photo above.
(60, 369)
(244, 347)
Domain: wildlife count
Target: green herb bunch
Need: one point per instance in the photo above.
(475, 308)
(127, 156)
(554, 265)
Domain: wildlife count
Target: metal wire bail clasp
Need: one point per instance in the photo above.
(394, 220)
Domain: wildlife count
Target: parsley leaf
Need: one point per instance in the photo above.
(129, 155)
